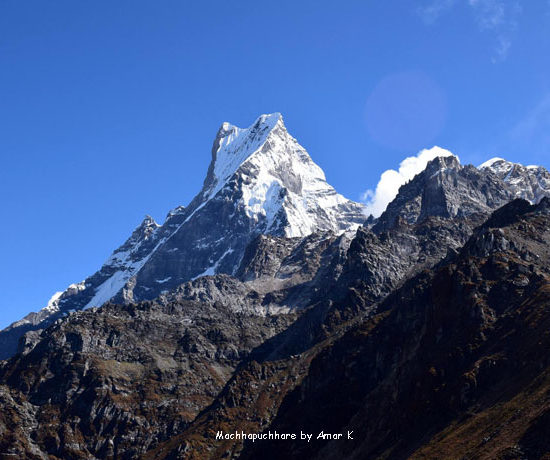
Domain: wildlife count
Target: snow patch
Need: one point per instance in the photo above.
(110, 287)
(238, 145)
(53, 303)
(490, 162)
(58, 297)
(529, 182)
(282, 184)
(211, 271)
(164, 280)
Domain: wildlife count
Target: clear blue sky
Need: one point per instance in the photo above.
(108, 109)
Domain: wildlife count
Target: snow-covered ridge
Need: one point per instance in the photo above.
(53, 303)
(490, 162)
(127, 260)
(237, 144)
(279, 179)
(260, 181)
(531, 183)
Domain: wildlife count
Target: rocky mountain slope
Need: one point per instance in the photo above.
(453, 365)
(260, 181)
(265, 305)
(268, 387)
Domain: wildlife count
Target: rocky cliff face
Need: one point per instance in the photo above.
(115, 382)
(264, 305)
(531, 183)
(446, 189)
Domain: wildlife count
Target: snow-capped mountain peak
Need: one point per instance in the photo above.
(272, 178)
(232, 147)
(531, 183)
(490, 162)
(260, 181)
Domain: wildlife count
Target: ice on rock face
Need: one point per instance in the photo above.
(237, 144)
(280, 182)
(126, 261)
(53, 303)
(531, 183)
(177, 211)
(490, 162)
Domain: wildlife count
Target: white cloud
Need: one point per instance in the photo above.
(431, 12)
(501, 49)
(490, 14)
(498, 17)
(377, 200)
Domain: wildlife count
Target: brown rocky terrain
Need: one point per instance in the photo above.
(454, 364)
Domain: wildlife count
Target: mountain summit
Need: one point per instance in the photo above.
(448, 189)
(260, 181)
(531, 183)
(272, 179)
